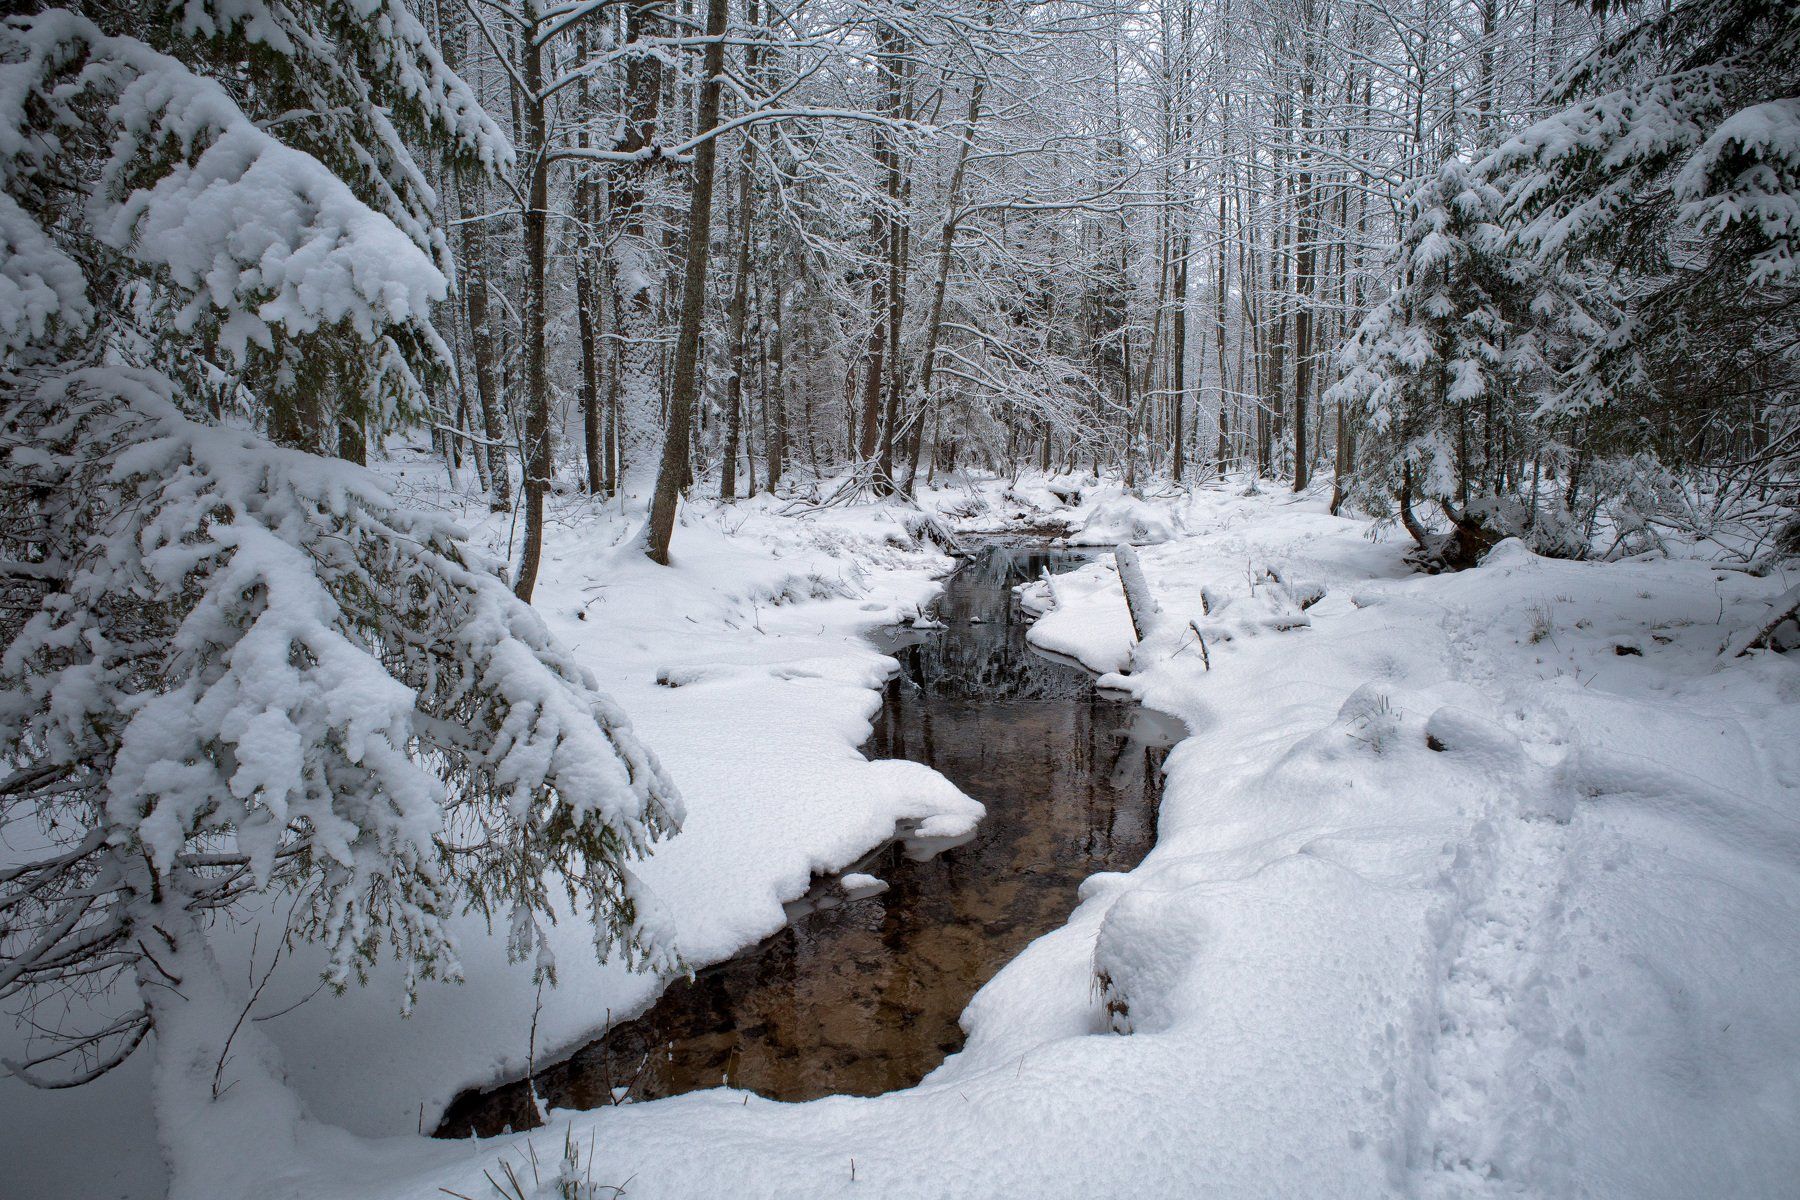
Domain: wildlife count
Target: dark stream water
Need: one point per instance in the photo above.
(860, 994)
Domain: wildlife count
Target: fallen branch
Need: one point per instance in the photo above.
(1205, 658)
(1762, 636)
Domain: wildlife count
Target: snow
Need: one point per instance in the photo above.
(256, 229)
(1452, 895)
(410, 63)
(40, 286)
(745, 668)
(1746, 171)
(1125, 519)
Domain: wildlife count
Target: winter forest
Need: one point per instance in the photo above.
(941, 598)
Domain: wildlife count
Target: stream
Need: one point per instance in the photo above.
(860, 993)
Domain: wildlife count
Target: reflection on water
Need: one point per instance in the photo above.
(862, 996)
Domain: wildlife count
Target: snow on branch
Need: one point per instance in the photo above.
(41, 289)
(248, 669)
(251, 245)
(390, 45)
(1748, 171)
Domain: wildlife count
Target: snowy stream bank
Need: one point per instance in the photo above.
(861, 993)
(1453, 894)
(1463, 885)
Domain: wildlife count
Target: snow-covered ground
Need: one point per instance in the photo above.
(1486, 883)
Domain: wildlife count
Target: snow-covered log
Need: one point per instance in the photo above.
(1138, 598)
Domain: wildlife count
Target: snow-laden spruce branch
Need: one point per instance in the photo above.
(226, 666)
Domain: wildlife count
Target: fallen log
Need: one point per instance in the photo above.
(1138, 600)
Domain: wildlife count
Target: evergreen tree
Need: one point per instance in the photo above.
(1605, 299)
(1442, 373)
(1671, 174)
(229, 666)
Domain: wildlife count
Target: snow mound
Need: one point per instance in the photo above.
(1148, 942)
(1125, 520)
(1509, 552)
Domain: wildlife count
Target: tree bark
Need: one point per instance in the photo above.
(869, 429)
(538, 448)
(637, 264)
(775, 402)
(1307, 252)
(940, 284)
(898, 190)
(683, 391)
(487, 370)
(587, 298)
(740, 312)
(1178, 360)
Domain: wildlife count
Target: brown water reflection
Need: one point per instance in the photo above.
(862, 995)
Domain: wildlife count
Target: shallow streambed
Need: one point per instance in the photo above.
(861, 993)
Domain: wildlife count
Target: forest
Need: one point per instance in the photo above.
(561, 562)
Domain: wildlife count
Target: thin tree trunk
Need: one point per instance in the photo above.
(586, 297)
(538, 449)
(482, 350)
(1307, 251)
(637, 271)
(739, 318)
(1222, 451)
(775, 402)
(1178, 363)
(934, 323)
(897, 230)
(586, 304)
(684, 390)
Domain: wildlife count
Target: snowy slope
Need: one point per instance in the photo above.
(1564, 947)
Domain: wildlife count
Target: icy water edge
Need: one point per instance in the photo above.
(861, 993)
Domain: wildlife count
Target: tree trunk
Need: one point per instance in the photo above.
(897, 229)
(1178, 361)
(586, 298)
(637, 264)
(740, 311)
(487, 369)
(683, 392)
(870, 428)
(538, 450)
(297, 414)
(775, 403)
(1307, 253)
(586, 304)
(934, 322)
(353, 440)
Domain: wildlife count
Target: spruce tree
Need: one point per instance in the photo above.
(1667, 180)
(1443, 370)
(229, 666)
